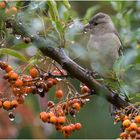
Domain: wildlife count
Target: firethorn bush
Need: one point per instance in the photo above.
(43, 57)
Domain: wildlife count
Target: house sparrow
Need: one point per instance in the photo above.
(104, 45)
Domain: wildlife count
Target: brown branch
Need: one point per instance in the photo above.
(75, 70)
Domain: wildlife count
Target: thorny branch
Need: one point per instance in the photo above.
(75, 70)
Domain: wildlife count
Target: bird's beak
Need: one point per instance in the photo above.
(87, 27)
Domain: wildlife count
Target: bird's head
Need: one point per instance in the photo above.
(100, 21)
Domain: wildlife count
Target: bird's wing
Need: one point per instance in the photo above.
(121, 46)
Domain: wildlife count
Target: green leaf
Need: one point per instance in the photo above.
(53, 10)
(19, 46)
(12, 53)
(67, 4)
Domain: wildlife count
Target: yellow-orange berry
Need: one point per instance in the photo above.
(59, 94)
(53, 119)
(34, 72)
(126, 123)
(7, 105)
(137, 119)
(18, 83)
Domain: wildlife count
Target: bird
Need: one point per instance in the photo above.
(104, 46)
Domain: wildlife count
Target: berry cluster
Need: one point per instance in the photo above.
(9, 10)
(39, 82)
(57, 113)
(130, 119)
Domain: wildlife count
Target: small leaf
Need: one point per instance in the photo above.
(53, 10)
(19, 46)
(13, 53)
(67, 4)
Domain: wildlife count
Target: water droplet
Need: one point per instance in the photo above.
(59, 79)
(87, 100)
(72, 42)
(20, 23)
(18, 36)
(11, 116)
(25, 94)
(2, 45)
(40, 89)
(85, 32)
(71, 26)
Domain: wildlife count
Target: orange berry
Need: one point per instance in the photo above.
(72, 127)
(34, 72)
(123, 135)
(138, 129)
(13, 10)
(7, 11)
(2, 4)
(3, 65)
(44, 116)
(133, 134)
(138, 136)
(59, 94)
(21, 99)
(18, 83)
(78, 126)
(26, 40)
(137, 119)
(7, 105)
(128, 128)
(133, 126)
(50, 83)
(26, 90)
(27, 80)
(8, 69)
(55, 81)
(76, 106)
(0, 104)
(14, 76)
(58, 127)
(14, 103)
(124, 118)
(85, 89)
(126, 123)
(61, 120)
